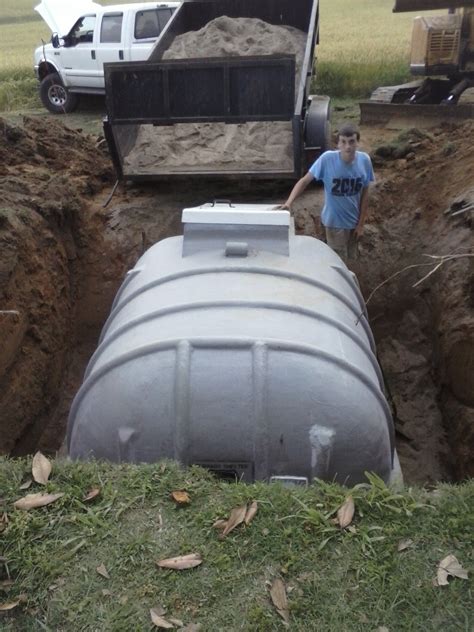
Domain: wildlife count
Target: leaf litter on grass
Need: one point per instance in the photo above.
(41, 468)
(181, 562)
(91, 494)
(345, 513)
(449, 566)
(103, 571)
(237, 516)
(32, 501)
(159, 621)
(279, 599)
(292, 547)
(181, 497)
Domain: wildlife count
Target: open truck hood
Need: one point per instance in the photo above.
(61, 16)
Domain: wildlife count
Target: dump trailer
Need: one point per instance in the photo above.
(249, 115)
(442, 52)
(241, 347)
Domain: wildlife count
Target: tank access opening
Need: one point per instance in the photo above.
(233, 472)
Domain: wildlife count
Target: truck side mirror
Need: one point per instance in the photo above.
(55, 40)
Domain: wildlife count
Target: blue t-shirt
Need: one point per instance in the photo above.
(343, 184)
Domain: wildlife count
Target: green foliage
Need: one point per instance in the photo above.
(348, 79)
(18, 91)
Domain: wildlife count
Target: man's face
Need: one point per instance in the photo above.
(347, 145)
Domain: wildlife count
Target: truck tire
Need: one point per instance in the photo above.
(55, 97)
(317, 124)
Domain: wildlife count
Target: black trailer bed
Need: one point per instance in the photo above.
(226, 90)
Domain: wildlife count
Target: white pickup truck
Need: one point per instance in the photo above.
(85, 36)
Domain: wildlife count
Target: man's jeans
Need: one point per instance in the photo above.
(343, 241)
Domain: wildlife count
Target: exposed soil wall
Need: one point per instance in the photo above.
(63, 257)
(48, 177)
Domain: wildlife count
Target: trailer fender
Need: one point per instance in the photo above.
(317, 127)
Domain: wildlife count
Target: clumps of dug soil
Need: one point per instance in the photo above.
(48, 175)
(425, 332)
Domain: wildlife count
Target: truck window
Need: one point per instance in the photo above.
(82, 31)
(111, 28)
(150, 23)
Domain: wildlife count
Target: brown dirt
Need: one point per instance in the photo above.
(63, 257)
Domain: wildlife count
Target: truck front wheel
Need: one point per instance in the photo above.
(55, 97)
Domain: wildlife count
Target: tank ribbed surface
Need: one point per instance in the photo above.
(265, 361)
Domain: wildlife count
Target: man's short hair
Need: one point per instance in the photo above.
(348, 129)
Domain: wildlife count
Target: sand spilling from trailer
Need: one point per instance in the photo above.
(220, 147)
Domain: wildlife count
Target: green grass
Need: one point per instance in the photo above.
(362, 45)
(336, 580)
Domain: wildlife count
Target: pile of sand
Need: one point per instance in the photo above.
(218, 146)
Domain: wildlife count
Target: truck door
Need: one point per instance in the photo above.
(146, 29)
(77, 55)
(110, 46)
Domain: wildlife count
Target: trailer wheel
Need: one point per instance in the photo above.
(55, 97)
(317, 128)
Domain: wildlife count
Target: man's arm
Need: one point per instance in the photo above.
(363, 210)
(298, 189)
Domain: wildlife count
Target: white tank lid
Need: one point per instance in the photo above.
(228, 213)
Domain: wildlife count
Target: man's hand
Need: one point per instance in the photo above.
(281, 207)
(359, 231)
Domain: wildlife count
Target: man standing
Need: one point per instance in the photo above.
(346, 174)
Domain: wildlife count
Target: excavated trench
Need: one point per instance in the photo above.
(63, 257)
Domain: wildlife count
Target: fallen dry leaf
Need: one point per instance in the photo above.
(159, 621)
(219, 524)
(404, 544)
(251, 511)
(6, 583)
(345, 513)
(27, 484)
(176, 622)
(103, 571)
(278, 595)
(9, 606)
(91, 494)
(32, 501)
(41, 468)
(237, 516)
(106, 592)
(181, 562)
(159, 610)
(192, 627)
(181, 497)
(449, 566)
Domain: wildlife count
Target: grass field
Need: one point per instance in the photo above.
(362, 45)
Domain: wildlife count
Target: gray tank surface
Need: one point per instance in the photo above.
(240, 347)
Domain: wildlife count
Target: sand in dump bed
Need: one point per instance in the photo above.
(219, 146)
